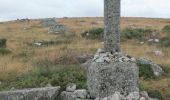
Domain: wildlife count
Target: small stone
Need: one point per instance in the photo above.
(100, 51)
(12, 88)
(150, 40)
(144, 94)
(100, 60)
(142, 98)
(133, 60)
(158, 53)
(156, 40)
(81, 93)
(142, 42)
(71, 87)
(133, 96)
(49, 85)
(115, 96)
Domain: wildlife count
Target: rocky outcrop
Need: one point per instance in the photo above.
(109, 73)
(47, 93)
(48, 22)
(58, 29)
(157, 70)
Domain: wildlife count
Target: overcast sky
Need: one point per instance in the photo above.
(13, 9)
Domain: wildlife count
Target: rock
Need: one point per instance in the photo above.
(142, 42)
(0, 82)
(48, 22)
(47, 93)
(158, 53)
(81, 94)
(144, 94)
(71, 87)
(157, 70)
(49, 85)
(142, 98)
(38, 43)
(2, 42)
(115, 96)
(68, 95)
(133, 96)
(156, 40)
(58, 29)
(150, 40)
(105, 79)
(12, 88)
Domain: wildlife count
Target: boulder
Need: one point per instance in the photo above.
(71, 87)
(68, 95)
(47, 93)
(2, 42)
(48, 22)
(157, 70)
(58, 29)
(109, 73)
(81, 93)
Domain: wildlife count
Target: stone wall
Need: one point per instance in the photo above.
(47, 93)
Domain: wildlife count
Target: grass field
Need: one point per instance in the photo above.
(24, 58)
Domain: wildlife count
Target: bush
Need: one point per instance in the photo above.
(165, 41)
(47, 72)
(145, 71)
(136, 33)
(166, 29)
(2, 42)
(155, 94)
(4, 51)
(95, 33)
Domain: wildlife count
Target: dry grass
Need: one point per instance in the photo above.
(23, 56)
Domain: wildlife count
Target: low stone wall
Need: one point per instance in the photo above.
(46, 93)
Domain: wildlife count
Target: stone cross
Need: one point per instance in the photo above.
(112, 25)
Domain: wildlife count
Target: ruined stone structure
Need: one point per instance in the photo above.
(110, 71)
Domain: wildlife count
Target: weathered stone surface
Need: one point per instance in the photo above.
(2, 42)
(105, 78)
(68, 95)
(71, 87)
(112, 25)
(47, 93)
(58, 29)
(157, 70)
(81, 93)
(76, 95)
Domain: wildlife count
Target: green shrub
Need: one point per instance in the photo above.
(95, 33)
(166, 29)
(136, 33)
(4, 51)
(155, 94)
(47, 72)
(145, 71)
(2, 42)
(165, 41)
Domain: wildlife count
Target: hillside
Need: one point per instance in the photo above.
(27, 65)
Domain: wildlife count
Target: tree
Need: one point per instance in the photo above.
(112, 25)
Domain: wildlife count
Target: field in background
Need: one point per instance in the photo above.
(24, 57)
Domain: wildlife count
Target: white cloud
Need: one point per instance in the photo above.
(13, 9)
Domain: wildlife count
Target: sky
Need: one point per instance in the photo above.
(13, 9)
